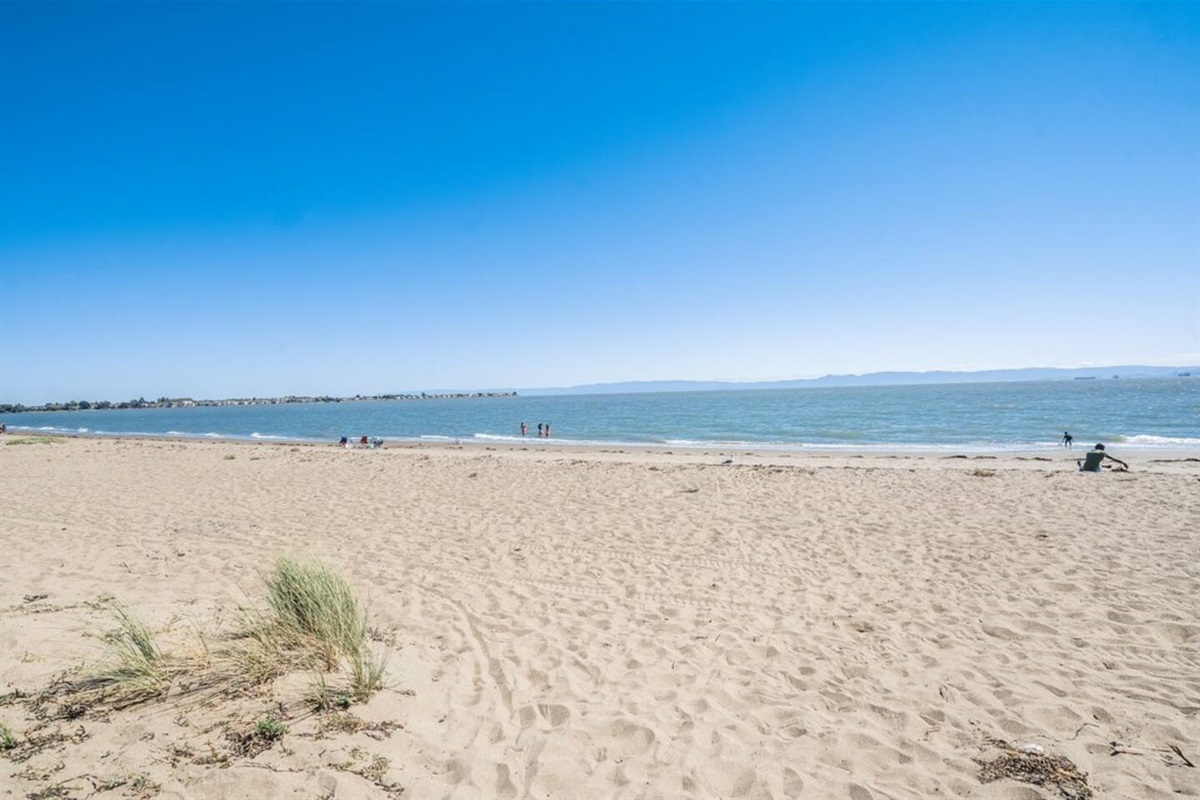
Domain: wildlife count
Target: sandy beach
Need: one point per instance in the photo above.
(608, 623)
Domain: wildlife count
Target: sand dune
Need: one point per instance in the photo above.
(579, 624)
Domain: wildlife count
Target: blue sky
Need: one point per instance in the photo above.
(229, 199)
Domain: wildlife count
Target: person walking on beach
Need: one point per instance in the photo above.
(1067, 440)
(524, 428)
(540, 426)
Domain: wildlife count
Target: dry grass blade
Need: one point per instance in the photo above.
(262, 651)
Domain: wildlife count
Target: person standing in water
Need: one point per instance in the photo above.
(524, 428)
(1067, 440)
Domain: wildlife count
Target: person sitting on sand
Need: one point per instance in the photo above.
(343, 441)
(1093, 458)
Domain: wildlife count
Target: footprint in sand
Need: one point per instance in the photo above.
(556, 715)
(630, 740)
(505, 790)
(527, 715)
(727, 779)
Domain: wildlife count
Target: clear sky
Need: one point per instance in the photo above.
(233, 199)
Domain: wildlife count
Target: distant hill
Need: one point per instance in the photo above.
(877, 379)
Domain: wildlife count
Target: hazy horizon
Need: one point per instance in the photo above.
(1158, 370)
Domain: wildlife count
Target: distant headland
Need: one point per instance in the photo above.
(884, 379)
(187, 402)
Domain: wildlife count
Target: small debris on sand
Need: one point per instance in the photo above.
(1031, 764)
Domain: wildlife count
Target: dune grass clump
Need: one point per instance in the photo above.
(315, 621)
(312, 603)
(133, 668)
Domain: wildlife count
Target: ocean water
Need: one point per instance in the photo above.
(1135, 413)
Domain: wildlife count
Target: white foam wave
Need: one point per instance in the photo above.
(194, 435)
(723, 444)
(718, 443)
(276, 437)
(127, 433)
(48, 429)
(863, 447)
(1175, 441)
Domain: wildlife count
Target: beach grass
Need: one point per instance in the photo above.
(327, 698)
(313, 604)
(367, 670)
(7, 739)
(133, 668)
(314, 621)
(259, 654)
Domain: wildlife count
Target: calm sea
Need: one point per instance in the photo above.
(1140, 413)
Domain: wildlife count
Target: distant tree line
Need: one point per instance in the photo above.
(184, 402)
(84, 405)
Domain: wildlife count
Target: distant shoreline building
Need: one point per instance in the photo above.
(187, 402)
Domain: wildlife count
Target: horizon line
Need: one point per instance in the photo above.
(576, 388)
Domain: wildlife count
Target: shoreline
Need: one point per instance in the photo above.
(1145, 457)
(932, 450)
